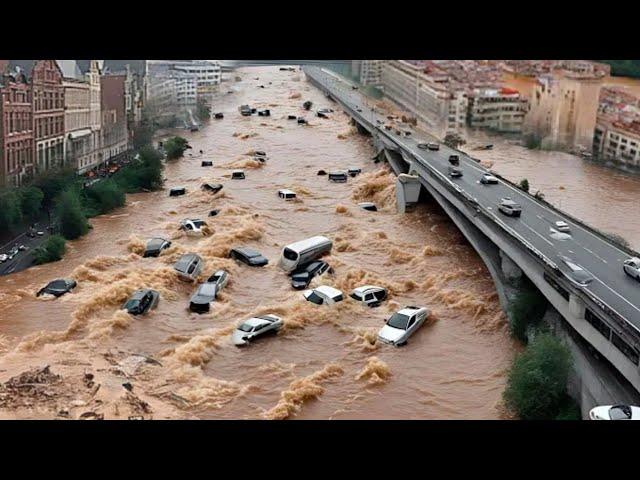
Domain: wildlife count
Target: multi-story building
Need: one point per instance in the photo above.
(115, 137)
(427, 93)
(16, 128)
(564, 106)
(48, 114)
(618, 141)
(92, 75)
(77, 124)
(208, 74)
(501, 110)
(370, 72)
(162, 93)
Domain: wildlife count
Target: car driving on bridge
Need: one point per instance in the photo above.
(562, 226)
(631, 267)
(488, 179)
(577, 274)
(615, 412)
(509, 207)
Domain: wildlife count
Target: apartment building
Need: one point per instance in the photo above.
(115, 137)
(77, 123)
(370, 72)
(502, 110)
(207, 74)
(618, 141)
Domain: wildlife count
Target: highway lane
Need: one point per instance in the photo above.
(602, 259)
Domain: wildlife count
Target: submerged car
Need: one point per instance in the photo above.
(254, 327)
(155, 246)
(219, 279)
(577, 274)
(202, 298)
(631, 267)
(248, 256)
(370, 206)
(287, 194)
(353, 171)
(177, 191)
(488, 179)
(206, 163)
(189, 266)
(301, 277)
(193, 226)
(211, 187)
(219, 115)
(245, 110)
(141, 301)
(338, 176)
(402, 324)
(58, 287)
(615, 412)
(323, 295)
(509, 207)
(237, 175)
(369, 295)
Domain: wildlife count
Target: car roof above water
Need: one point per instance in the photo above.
(185, 260)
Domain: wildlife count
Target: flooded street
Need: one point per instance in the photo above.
(325, 363)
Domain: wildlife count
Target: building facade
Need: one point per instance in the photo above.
(115, 137)
(618, 141)
(207, 74)
(48, 115)
(16, 129)
(77, 124)
(370, 72)
(502, 110)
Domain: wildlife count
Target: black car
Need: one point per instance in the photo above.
(307, 105)
(219, 115)
(207, 163)
(155, 246)
(141, 301)
(264, 113)
(301, 277)
(176, 191)
(301, 121)
(212, 187)
(249, 256)
(201, 300)
(58, 287)
(245, 110)
(292, 117)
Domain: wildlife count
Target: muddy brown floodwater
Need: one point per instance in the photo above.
(325, 363)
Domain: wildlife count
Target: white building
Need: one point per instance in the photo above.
(502, 110)
(370, 72)
(207, 74)
(618, 141)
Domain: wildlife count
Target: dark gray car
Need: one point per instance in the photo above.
(249, 256)
(202, 298)
(155, 246)
(58, 287)
(141, 301)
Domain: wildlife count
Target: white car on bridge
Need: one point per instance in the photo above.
(631, 267)
(615, 412)
(562, 226)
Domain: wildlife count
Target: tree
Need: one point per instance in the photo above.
(10, 209)
(54, 182)
(144, 173)
(526, 310)
(73, 223)
(537, 380)
(524, 184)
(454, 140)
(103, 197)
(175, 147)
(203, 111)
(30, 201)
(51, 251)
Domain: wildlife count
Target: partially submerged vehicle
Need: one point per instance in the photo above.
(307, 105)
(402, 324)
(254, 327)
(206, 163)
(245, 110)
(201, 300)
(369, 295)
(323, 295)
(141, 301)
(237, 175)
(304, 251)
(177, 191)
(302, 276)
(193, 226)
(338, 176)
(287, 194)
(155, 246)
(211, 187)
(370, 206)
(322, 172)
(189, 266)
(58, 287)
(301, 121)
(248, 256)
(219, 115)
(264, 113)
(219, 279)
(353, 171)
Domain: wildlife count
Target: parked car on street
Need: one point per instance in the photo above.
(402, 324)
(248, 256)
(631, 267)
(302, 276)
(323, 295)
(58, 287)
(155, 246)
(615, 412)
(253, 327)
(141, 301)
(369, 295)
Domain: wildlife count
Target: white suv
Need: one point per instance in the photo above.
(631, 267)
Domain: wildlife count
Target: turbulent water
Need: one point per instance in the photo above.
(325, 362)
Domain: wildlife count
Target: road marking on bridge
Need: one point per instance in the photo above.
(617, 294)
(542, 237)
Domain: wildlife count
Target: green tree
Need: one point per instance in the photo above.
(526, 310)
(53, 182)
(537, 380)
(142, 174)
(102, 197)
(454, 140)
(30, 201)
(10, 209)
(73, 223)
(203, 111)
(524, 184)
(51, 251)
(175, 147)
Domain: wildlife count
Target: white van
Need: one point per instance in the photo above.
(287, 194)
(302, 252)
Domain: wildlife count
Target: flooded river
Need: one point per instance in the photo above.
(325, 363)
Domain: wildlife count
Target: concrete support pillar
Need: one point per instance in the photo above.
(576, 306)
(510, 269)
(407, 191)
